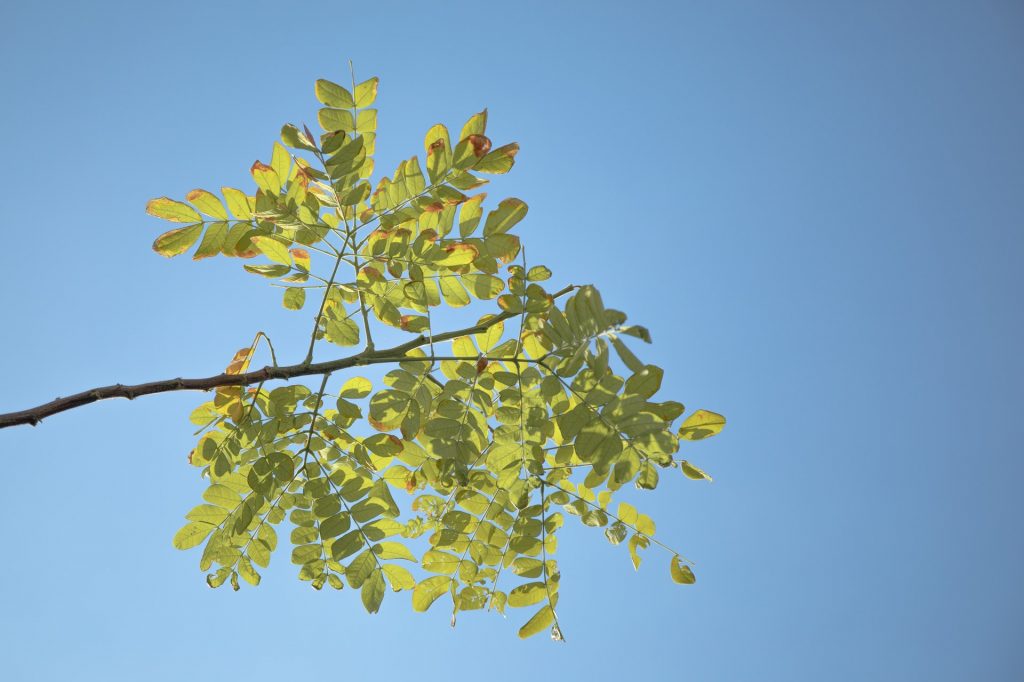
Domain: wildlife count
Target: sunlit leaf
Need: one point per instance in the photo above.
(175, 211)
(177, 241)
(273, 249)
(294, 298)
(192, 534)
(505, 217)
(427, 592)
(693, 472)
(207, 203)
(334, 95)
(366, 92)
(540, 622)
(681, 573)
(701, 424)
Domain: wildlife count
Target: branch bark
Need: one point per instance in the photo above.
(367, 357)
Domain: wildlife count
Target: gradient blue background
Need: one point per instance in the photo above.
(817, 208)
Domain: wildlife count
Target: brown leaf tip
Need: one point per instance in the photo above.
(481, 145)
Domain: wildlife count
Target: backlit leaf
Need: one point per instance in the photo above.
(366, 92)
(505, 217)
(681, 573)
(192, 534)
(294, 298)
(334, 95)
(693, 472)
(177, 241)
(273, 249)
(427, 592)
(372, 592)
(701, 424)
(172, 210)
(540, 622)
(356, 387)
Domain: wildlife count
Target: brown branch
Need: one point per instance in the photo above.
(368, 357)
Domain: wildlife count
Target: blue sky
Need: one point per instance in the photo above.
(817, 209)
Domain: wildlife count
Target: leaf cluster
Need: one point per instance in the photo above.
(453, 476)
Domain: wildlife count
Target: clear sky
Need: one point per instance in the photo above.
(817, 209)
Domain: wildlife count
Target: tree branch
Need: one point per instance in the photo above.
(395, 354)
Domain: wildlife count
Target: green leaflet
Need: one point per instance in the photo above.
(399, 577)
(294, 298)
(334, 95)
(636, 543)
(175, 211)
(540, 621)
(372, 592)
(505, 217)
(427, 592)
(356, 387)
(693, 472)
(343, 332)
(191, 535)
(207, 203)
(701, 424)
(177, 241)
(273, 249)
(366, 92)
(528, 594)
(681, 573)
(393, 550)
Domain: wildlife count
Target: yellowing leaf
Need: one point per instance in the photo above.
(172, 210)
(400, 577)
(334, 95)
(439, 152)
(470, 150)
(454, 255)
(636, 543)
(505, 217)
(538, 623)
(281, 161)
(266, 178)
(301, 257)
(393, 550)
(498, 161)
(681, 573)
(427, 592)
(356, 387)
(272, 249)
(192, 534)
(528, 594)
(701, 424)
(470, 213)
(177, 241)
(240, 361)
(366, 92)
(476, 125)
(238, 203)
(627, 513)
(207, 203)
